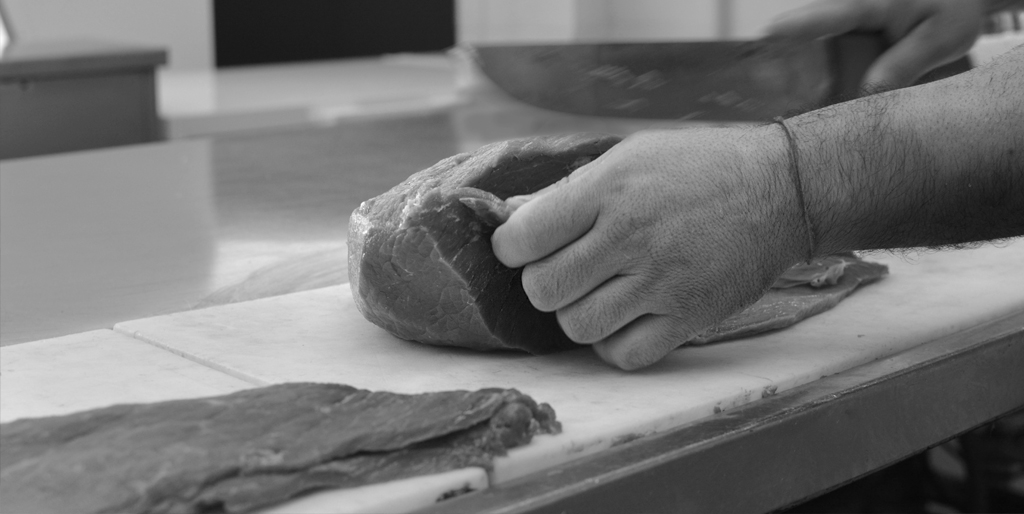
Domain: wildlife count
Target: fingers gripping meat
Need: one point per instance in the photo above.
(422, 264)
(420, 259)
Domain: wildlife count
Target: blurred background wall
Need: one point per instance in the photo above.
(500, 21)
(184, 27)
(270, 31)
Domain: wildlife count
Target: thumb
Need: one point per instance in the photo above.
(547, 220)
(515, 202)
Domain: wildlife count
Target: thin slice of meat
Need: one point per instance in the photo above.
(819, 272)
(788, 302)
(253, 448)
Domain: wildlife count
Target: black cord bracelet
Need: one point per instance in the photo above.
(795, 172)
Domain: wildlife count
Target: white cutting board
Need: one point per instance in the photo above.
(97, 369)
(320, 336)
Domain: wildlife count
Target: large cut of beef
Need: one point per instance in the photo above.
(421, 264)
(420, 259)
(241, 451)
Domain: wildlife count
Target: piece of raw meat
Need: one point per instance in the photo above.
(803, 291)
(420, 259)
(257, 447)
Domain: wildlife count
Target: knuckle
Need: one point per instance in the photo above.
(600, 313)
(581, 324)
(548, 285)
(536, 283)
(525, 245)
(554, 282)
(625, 225)
(626, 245)
(573, 325)
(533, 243)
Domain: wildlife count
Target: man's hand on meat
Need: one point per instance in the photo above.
(670, 232)
(665, 235)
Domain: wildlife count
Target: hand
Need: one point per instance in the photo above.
(925, 33)
(663, 236)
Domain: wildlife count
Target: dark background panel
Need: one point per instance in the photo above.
(270, 31)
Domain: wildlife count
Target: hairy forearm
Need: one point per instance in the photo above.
(934, 165)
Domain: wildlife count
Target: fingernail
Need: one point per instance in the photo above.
(515, 202)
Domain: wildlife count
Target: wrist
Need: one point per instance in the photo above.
(857, 159)
(842, 152)
(795, 175)
(778, 202)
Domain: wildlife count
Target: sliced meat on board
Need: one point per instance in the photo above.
(802, 292)
(253, 448)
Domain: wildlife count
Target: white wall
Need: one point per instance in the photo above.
(541, 21)
(647, 20)
(554, 21)
(183, 27)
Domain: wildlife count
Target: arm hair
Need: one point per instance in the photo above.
(934, 165)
